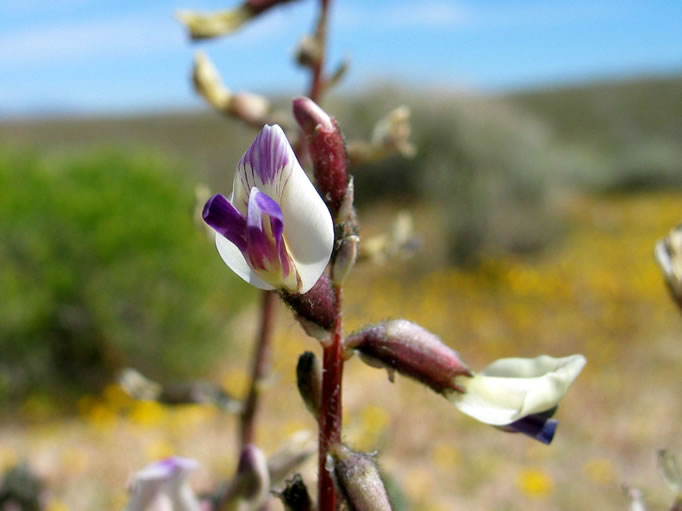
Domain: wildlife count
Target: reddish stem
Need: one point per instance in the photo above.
(317, 80)
(330, 409)
(260, 367)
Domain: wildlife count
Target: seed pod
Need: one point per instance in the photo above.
(410, 350)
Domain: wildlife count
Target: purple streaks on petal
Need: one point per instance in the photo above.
(539, 426)
(225, 219)
(261, 209)
(268, 154)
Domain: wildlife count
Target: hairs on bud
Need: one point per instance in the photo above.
(327, 151)
(412, 351)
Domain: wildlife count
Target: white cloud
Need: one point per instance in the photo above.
(145, 33)
(90, 38)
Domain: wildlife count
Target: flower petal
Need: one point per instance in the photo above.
(161, 485)
(234, 258)
(264, 226)
(539, 426)
(513, 388)
(308, 227)
(266, 165)
(224, 218)
(266, 250)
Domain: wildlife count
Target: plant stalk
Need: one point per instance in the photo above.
(330, 409)
(317, 79)
(260, 367)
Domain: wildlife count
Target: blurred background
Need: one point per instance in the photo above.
(548, 163)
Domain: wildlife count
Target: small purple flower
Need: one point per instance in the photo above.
(274, 231)
(162, 486)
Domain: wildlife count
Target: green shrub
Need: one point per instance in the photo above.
(484, 162)
(102, 265)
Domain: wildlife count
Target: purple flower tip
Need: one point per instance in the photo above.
(539, 426)
(224, 218)
(268, 155)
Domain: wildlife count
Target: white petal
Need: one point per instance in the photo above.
(510, 389)
(161, 486)
(308, 227)
(234, 258)
(184, 499)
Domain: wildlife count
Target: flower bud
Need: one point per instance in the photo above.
(295, 496)
(254, 477)
(291, 455)
(346, 213)
(250, 108)
(392, 131)
(205, 26)
(345, 258)
(309, 116)
(308, 53)
(668, 254)
(316, 309)
(411, 350)
(208, 84)
(309, 381)
(327, 151)
(360, 480)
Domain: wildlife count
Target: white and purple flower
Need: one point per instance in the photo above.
(519, 394)
(162, 486)
(274, 231)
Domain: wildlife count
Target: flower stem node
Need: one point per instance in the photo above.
(316, 309)
(359, 479)
(518, 394)
(327, 151)
(274, 230)
(410, 350)
(162, 485)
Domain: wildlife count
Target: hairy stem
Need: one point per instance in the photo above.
(330, 409)
(260, 366)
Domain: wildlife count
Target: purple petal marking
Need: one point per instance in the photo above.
(262, 208)
(268, 154)
(539, 426)
(225, 219)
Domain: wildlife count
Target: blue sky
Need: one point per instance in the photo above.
(129, 55)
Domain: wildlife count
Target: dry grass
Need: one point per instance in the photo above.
(598, 293)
